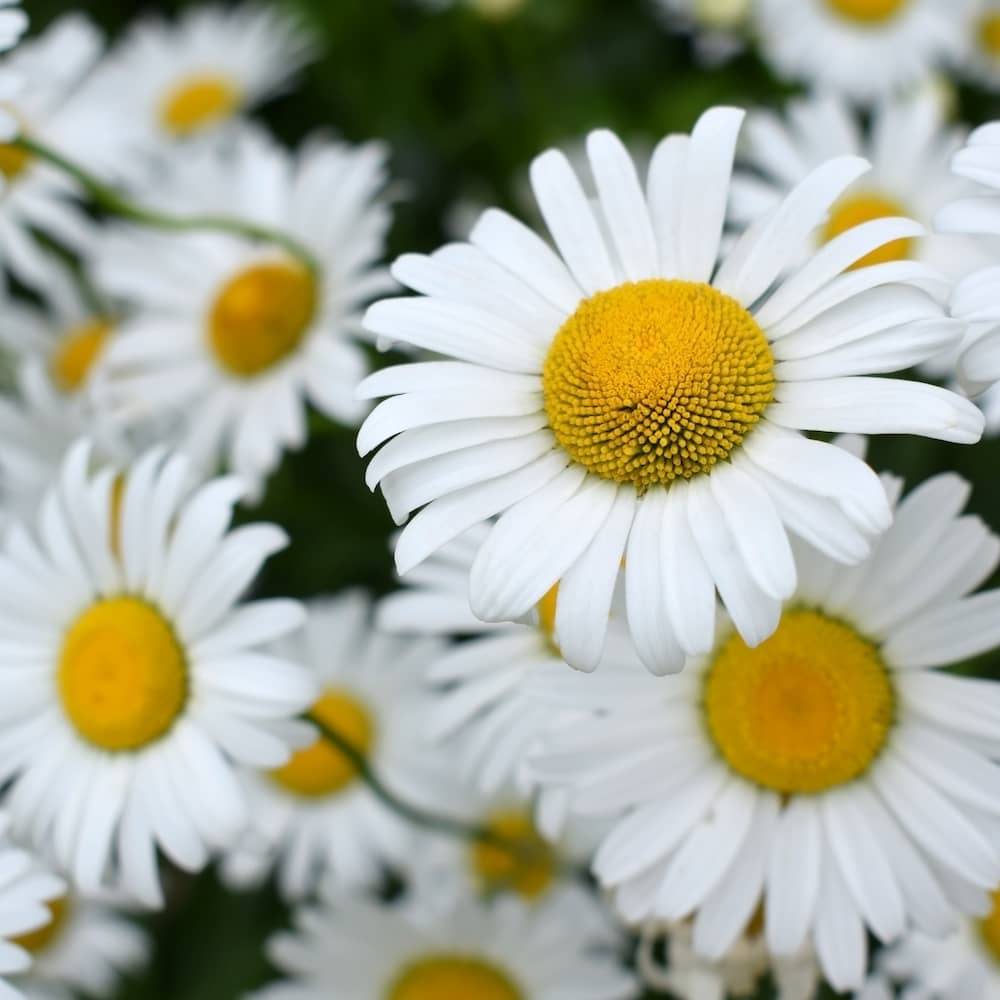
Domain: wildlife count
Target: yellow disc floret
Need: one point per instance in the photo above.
(123, 676)
(446, 977)
(261, 316)
(77, 352)
(989, 928)
(656, 380)
(867, 11)
(38, 940)
(321, 769)
(807, 710)
(528, 867)
(853, 211)
(198, 102)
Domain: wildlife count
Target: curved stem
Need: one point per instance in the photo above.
(111, 201)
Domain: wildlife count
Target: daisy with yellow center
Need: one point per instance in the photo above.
(315, 817)
(631, 396)
(864, 50)
(135, 681)
(423, 949)
(231, 339)
(825, 775)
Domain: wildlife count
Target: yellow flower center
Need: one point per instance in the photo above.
(867, 11)
(989, 929)
(197, 102)
(39, 939)
(77, 352)
(807, 710)
(853, 211)
(123, 676)
(321, 769)
(656, 379)
(989, 34)
(527, 870)
(445, 977)
(261, 316)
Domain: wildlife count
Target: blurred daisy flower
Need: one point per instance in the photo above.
(630, 396)
(130, 667)
(85, 947)
(862, 49)
(171, 81)
(833, 775)
(500, 950)
(315, 815)
(231, 337)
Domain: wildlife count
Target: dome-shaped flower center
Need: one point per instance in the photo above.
(77, 352)
(261, 316)
(855, 209)
(38, 940)
(656, 380)
(197, 102)
(528, 868)
(806, 710)
(867, 11)
(989, 34)
(321, 769)
(989, 928)
(122, 674)
(445, 977)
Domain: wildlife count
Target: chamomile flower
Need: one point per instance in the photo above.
(965, 965)
(26, 891)
(832, 774)
(910, 145)
(131, 680)
(357, 949)
(315, 816)
(862, 49)
(232, 336)
(86, 947)
(173, 81)
(629, 396)
(718, 26)
(48, 103)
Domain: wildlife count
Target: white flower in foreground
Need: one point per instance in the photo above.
(719, 26)
(863, 49)
(831, 775)
(170, 81)
(131, 680)
(86, 947)
(358, 949)
(910, 145)
(483, 707)
(316, 816)
(630, 396)
(231, 337)
(25, 892)
(962, 966)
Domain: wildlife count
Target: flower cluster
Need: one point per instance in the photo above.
(678, 692)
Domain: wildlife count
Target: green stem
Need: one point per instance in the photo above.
(111, 201)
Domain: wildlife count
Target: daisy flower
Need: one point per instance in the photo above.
(863, 49)
(357, 949)
(832, 775)
(25, 894)
(231, 336)
(719, 26)
(41, 88)
(132, 681)
(965, 965)
(910, 145)
(315, 815)
(85, 947)
(629, 395)
(171, 81)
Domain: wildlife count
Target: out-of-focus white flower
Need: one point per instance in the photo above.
(862, 49)
(719, 27)
(231, 337)
(133, 680)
